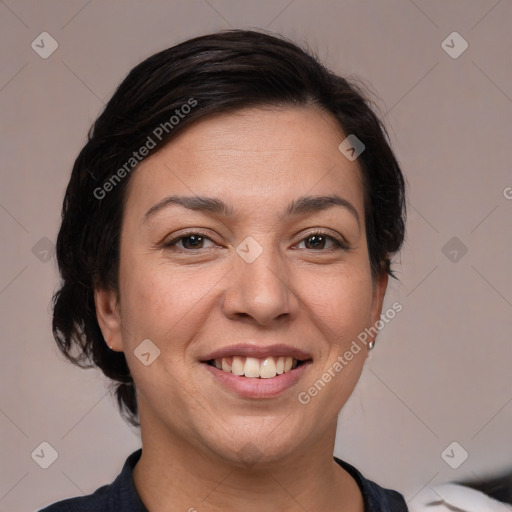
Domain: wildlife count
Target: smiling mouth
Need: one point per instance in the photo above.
(252, 367)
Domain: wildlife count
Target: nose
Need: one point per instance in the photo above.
(262, 291)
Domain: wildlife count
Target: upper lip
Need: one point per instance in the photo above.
(259, 351)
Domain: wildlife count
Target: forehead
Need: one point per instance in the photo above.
(254, 154)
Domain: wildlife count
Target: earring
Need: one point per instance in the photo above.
(371, 344)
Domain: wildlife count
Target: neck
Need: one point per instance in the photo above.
(174, 471)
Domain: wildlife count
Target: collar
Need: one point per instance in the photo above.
(124, 496)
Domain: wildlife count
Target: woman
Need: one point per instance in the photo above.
(225, 250)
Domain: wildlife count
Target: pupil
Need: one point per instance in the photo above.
(193, 237)
(317, 238)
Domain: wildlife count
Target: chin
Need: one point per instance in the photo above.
(254, 444)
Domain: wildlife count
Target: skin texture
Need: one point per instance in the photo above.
(193, 299)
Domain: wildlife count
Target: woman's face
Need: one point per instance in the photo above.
(257, 270)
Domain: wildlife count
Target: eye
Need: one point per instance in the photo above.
(195, 240)
(189, 241)
(318, 239)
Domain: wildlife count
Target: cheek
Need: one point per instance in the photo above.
(341, 301)
(343, 313)
(342, 306)
(163, 303)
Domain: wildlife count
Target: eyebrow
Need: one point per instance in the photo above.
(301, 206)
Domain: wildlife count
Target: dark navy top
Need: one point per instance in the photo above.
(121, 495)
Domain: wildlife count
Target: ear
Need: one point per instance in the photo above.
(109, 319)
(379, 289)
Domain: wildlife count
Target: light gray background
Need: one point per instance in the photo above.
(441, 369)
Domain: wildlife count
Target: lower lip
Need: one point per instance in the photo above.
(252, 387)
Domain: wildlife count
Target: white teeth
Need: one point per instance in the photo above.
(267, 368)
(226, 367)
(237, 367)
(253, 367)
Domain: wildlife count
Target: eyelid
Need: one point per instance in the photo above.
(180, 235)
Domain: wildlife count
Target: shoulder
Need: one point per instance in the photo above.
(97, 501)
(376, 498)
(447, 497)
(119, 495)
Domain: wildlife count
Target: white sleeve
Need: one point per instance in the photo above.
(450, 497)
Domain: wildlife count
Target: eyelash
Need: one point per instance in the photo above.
(339, 245)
